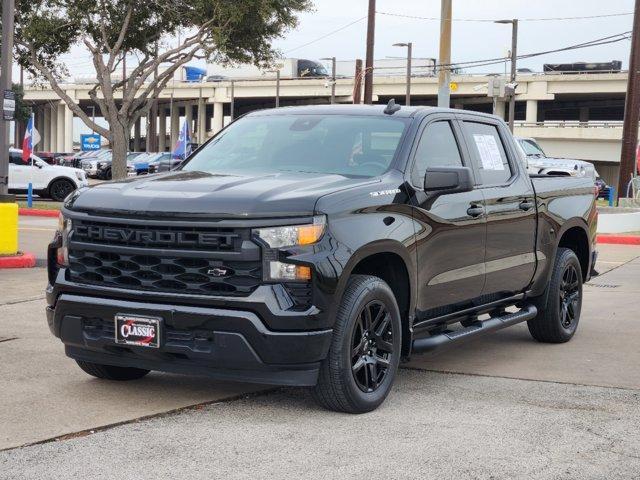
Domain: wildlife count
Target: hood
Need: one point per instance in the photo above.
(215, 195)
(70, 171)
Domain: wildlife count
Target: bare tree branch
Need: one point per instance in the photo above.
(75, 108)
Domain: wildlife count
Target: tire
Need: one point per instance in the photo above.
(559, 315)
(110, 372)
(60, 189)
(360, 369)
(107, 174)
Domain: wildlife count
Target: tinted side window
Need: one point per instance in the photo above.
(437, 148)
(489, 152)
(16, 159)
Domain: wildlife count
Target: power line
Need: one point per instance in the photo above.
(498, 60)
(344, 27)
(491, 20)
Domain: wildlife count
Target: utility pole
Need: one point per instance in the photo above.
(631, 110)
(277, 88)
(371, 37)
(444, 72)
(333, 78)
(409, 46)
(357, 87)
(512, 77)
(8, 12)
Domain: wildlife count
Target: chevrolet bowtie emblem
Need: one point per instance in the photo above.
(217, 272)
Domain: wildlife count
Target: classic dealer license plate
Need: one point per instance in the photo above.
(140, 331)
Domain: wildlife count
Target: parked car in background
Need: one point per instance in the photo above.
(540, 164)
(98, 165)
(166, 165)
(52, 158)
(49, 181)
(151, 163)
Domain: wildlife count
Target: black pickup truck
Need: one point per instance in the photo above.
(320, 246)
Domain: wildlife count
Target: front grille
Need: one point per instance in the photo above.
(171, 259)
(210, 239)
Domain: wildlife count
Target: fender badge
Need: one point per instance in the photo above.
(385, 192)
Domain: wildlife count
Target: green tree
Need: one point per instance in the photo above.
(219, 30)
(23, 111)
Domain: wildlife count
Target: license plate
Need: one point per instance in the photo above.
(139, 331)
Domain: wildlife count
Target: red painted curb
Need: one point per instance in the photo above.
(33, 212)
(23, 260)
(620, 239)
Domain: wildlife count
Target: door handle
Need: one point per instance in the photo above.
(526, 205)
(475, 210)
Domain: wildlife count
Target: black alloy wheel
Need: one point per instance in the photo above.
(569, 296)
(372, 346)
(60, 189)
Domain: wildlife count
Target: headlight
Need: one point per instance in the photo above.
(294, 235)
(64, 228)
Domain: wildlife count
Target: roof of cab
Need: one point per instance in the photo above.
(349, 109)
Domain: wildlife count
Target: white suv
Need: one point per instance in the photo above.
(52, 181)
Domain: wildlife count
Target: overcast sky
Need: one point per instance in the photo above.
(470, 40)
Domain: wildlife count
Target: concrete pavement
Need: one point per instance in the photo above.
(580, 422)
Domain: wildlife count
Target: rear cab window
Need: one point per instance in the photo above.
(488, 152)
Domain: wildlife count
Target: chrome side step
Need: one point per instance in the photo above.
(434, 342)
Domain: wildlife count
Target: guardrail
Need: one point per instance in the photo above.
(571, 124)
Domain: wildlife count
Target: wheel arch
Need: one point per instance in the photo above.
(391, 262)
(60, 177)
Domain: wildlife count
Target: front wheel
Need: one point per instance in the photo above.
(61, 189)
(558, 317)
(363, 359)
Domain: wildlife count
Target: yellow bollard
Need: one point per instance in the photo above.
(8, 228)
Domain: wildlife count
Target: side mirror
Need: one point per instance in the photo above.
(445, 180)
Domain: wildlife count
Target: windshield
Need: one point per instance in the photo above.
(359, 146)
(531, 148)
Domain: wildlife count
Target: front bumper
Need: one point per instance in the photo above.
(217, 342)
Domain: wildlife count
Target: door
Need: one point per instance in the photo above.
(451, 228)
(510, 208)
(18, 172)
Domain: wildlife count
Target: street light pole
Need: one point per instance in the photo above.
(444, 71)
(368, 68)
(277, 88)
(512, 78)
(8, 12)
(409, 46)
(333, 78)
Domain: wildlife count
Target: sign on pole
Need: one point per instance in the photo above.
(9, 105)
(90, 141)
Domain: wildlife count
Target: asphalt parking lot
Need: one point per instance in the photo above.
(501, 407)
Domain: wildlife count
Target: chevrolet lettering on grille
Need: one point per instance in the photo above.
(153, 237)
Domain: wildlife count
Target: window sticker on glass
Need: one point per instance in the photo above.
(489, 152)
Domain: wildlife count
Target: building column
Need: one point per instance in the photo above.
(175, 125)
(584, 114)
(188, 117)
(60, 128)
(45, 132)
(218, 117)
(68, 129)
(53, 130)
(532, 111)
(202, 121)
(162, 129)
(136, 135)
(39, 125)
(500, 108)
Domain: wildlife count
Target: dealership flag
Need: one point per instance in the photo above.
(31, 139)
(183, 145)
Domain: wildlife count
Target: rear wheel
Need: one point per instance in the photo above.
(60, 189)
(558, 316)
(110, 372)
(363, 359)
